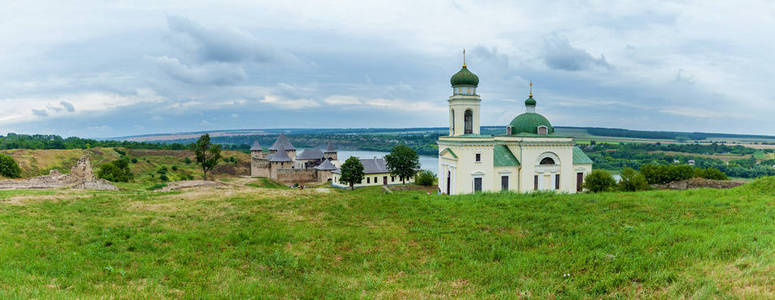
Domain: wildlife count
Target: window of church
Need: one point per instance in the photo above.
(478, 157)
(543, 130)
(468, 119)
(547, 161)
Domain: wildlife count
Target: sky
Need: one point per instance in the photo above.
(118, 68)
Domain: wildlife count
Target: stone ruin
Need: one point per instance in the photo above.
(80, 177)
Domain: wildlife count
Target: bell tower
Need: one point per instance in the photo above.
(464, 102)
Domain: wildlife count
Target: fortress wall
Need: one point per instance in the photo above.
(296, 175)
(259, 168)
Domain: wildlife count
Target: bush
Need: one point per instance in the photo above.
(632, 181)
(134, 160)
(174, 168)
(187, 161)
(164, 178)
(8, 167)
(425, 178)
(115, 171)
(157, 186)
(599, 181)
(661, 174)
(710, 173)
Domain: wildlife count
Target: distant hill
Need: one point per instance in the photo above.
(577, 132)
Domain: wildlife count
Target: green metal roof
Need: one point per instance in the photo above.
(502, 157)
(464, 77)
(450, 152)
(579, 157)
(529, 122)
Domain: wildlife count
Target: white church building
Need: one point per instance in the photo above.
(528, 157)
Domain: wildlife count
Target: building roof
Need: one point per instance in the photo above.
(256, 146)
(282, 142)
(280, 156)
(529, 122)
(310, 154)
(326, 166)
(330, 147)
(464, 77)
(450, 152)
(374, 165)
(502, 157)
(579, 157)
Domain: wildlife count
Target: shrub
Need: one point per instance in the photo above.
(632, 181)
(187, 161)
(599, 181)
(115, 171)
(164, 178)
(661, 174)
(425, 178)
(710, 173)
(157, 186)
(119, 151)
(134, 160)
(174, 168)
(9, 167)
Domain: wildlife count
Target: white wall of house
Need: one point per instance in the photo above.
(375, 179)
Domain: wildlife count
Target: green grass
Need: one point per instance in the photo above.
(251, 242)
(267, 183)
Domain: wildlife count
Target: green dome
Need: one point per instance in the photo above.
(530, 101)
(529, 122)
(464, 77)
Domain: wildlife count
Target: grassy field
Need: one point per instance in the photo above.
(247, 242)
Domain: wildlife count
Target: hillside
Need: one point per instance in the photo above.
(246, 241)
(146, 163)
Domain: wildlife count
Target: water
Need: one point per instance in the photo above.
(426, 162)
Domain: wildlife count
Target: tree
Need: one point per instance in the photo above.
(115, 171)
(207, 154)
(352, 172)
(632, 181)
(8, 167)
(599, 181)
(425, 178)
(403, 162)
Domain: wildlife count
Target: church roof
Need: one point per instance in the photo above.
(256, 146)
(464, 77)
(528, 123)
(326, 166)
(530, 101)
(310, 154)
(280, 156)
(579, 157)
(282, 142)
(502, 157)
(330, 147)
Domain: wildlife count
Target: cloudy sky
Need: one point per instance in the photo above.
(116, 68)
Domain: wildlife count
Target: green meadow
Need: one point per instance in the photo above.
(253, 240)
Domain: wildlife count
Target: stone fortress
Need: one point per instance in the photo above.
(282, 164)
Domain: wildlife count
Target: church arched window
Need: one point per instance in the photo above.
(469, 122)
(547, 161)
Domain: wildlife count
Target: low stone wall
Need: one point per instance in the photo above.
(291, 176)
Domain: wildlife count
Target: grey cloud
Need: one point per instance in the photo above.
(40, 112)
(211, 73)
(221, 45)
(68, 106)
(561, 55)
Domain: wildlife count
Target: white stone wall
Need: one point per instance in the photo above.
(375, 179)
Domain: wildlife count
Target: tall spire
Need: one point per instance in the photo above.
(464, 57)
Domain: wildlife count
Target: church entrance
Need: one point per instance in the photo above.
(579, 181)
(449, 177)
(384, 180)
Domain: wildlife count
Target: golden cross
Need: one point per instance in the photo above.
(531, 89)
